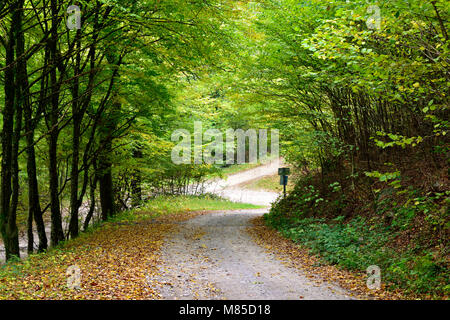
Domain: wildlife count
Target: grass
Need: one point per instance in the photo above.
(268, 183)
(177, 204)
(236, 168)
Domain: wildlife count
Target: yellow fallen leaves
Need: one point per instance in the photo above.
(116, 262)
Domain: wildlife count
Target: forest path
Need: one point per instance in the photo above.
(230, 188)
(214, 257)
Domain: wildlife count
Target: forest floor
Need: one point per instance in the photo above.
(213, 256)
(179, 251)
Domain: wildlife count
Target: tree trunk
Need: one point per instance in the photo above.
(57, 233)
(136, 191)
(107, 128)
(93, 186)
(105, 180)
(34, 205)
(77, 118)
(8, 227)
(34, 208)
(12, 226)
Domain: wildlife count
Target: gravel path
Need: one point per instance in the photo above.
(229, 188)
(213, 257)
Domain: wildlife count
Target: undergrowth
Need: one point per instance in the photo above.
(398, 227)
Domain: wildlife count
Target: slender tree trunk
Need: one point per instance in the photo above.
(74, 177)
(20, 47)
(93, 186)
(8, 227)
(136, 191)
(105, 180)
(12, 226)
(77, 118)
(107, 127)
(33, 188)
(34, 208)
(57, 233)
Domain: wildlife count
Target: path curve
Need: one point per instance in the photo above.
(229, 188)
(214, 257)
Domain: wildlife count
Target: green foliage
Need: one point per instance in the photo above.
(387, 177)
(349, 98)
(357, 244)
(205, 202)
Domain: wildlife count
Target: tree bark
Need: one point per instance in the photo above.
(77, 118)
(93, 186)
(105, 180)
(8, 227)
(57, 233)
(107, 127)
(34, 208)
(136, 190)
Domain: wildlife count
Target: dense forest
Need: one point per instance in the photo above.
(75, 131)
(90, 96)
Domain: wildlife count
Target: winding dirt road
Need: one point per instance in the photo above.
(229, 188)
(213, 256)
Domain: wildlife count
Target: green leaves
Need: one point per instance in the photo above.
(384, 177)
(397, 140)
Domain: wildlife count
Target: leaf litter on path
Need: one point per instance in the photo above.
(117, 261)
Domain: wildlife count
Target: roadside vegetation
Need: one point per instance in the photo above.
(233, 169)
(369, 135)
(269, 183)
